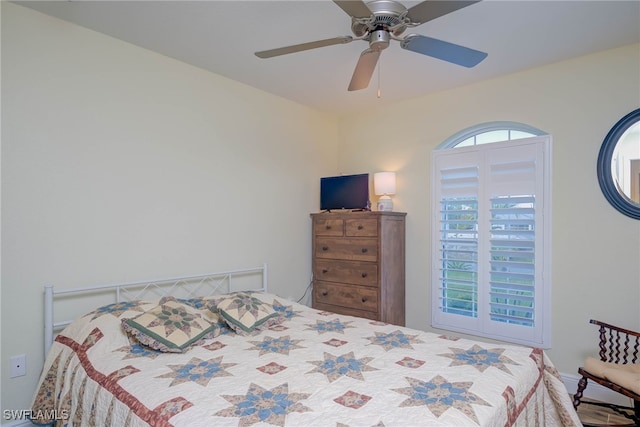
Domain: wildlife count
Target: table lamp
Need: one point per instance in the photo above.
(384, 185)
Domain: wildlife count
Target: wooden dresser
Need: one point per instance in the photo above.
(358, 264)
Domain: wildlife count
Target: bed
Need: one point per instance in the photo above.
(269, 361)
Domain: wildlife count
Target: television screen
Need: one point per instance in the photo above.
(344, 192)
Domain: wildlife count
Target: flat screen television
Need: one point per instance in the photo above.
(344, 192)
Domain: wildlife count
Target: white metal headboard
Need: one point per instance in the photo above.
(186, 287)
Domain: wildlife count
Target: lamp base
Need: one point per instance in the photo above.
(385, 204)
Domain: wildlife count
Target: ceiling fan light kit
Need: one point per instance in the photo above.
(379, 40)
(380, 21)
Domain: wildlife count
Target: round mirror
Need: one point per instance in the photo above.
(619, 165)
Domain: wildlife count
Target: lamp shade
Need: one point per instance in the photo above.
(384, 183)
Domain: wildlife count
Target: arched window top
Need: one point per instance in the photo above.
(489, 132)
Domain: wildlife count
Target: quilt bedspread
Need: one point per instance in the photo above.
(313, 369)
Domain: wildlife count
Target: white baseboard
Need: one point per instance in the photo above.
(594, 391)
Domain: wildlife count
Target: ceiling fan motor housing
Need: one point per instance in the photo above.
(386, 14)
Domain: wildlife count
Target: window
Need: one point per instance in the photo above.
(491, 234)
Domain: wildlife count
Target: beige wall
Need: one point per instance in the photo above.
(121, 164)
(596, 250)
(118, 164)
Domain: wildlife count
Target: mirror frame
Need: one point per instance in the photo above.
(609, 188)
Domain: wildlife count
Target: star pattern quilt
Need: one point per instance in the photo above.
(311, 368)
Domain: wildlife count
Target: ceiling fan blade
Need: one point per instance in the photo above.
(445, 51)
(303, 46)
(355, 8)
(364, 69)
(428, 10)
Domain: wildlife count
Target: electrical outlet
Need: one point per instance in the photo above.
(18, 366)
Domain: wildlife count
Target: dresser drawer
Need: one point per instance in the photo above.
(356, 249)
(328, 227)
(361, 227)
(359, 273)
(355, 297)
(373, 315)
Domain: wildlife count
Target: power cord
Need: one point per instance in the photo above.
(305, 291)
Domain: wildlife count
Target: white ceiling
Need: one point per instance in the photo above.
(222, 36)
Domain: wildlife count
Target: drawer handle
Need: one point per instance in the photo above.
(365, 250)
(324, 271)
(364, 299)
(325, 293)
(328, 227)
(364, 275)
(325, 248)
(360, 227)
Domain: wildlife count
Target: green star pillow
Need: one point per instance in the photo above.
(170, 327)
(245, 313)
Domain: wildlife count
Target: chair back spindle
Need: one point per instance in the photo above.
(618, 346)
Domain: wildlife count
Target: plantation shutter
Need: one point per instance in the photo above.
(491, 250)
(515, 196)
(456, 275)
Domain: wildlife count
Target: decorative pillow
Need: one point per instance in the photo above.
(245, 313)
(170, 326)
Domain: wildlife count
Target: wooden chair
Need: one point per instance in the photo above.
(619, 346)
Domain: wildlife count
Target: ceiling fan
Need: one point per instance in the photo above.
(380, 21)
